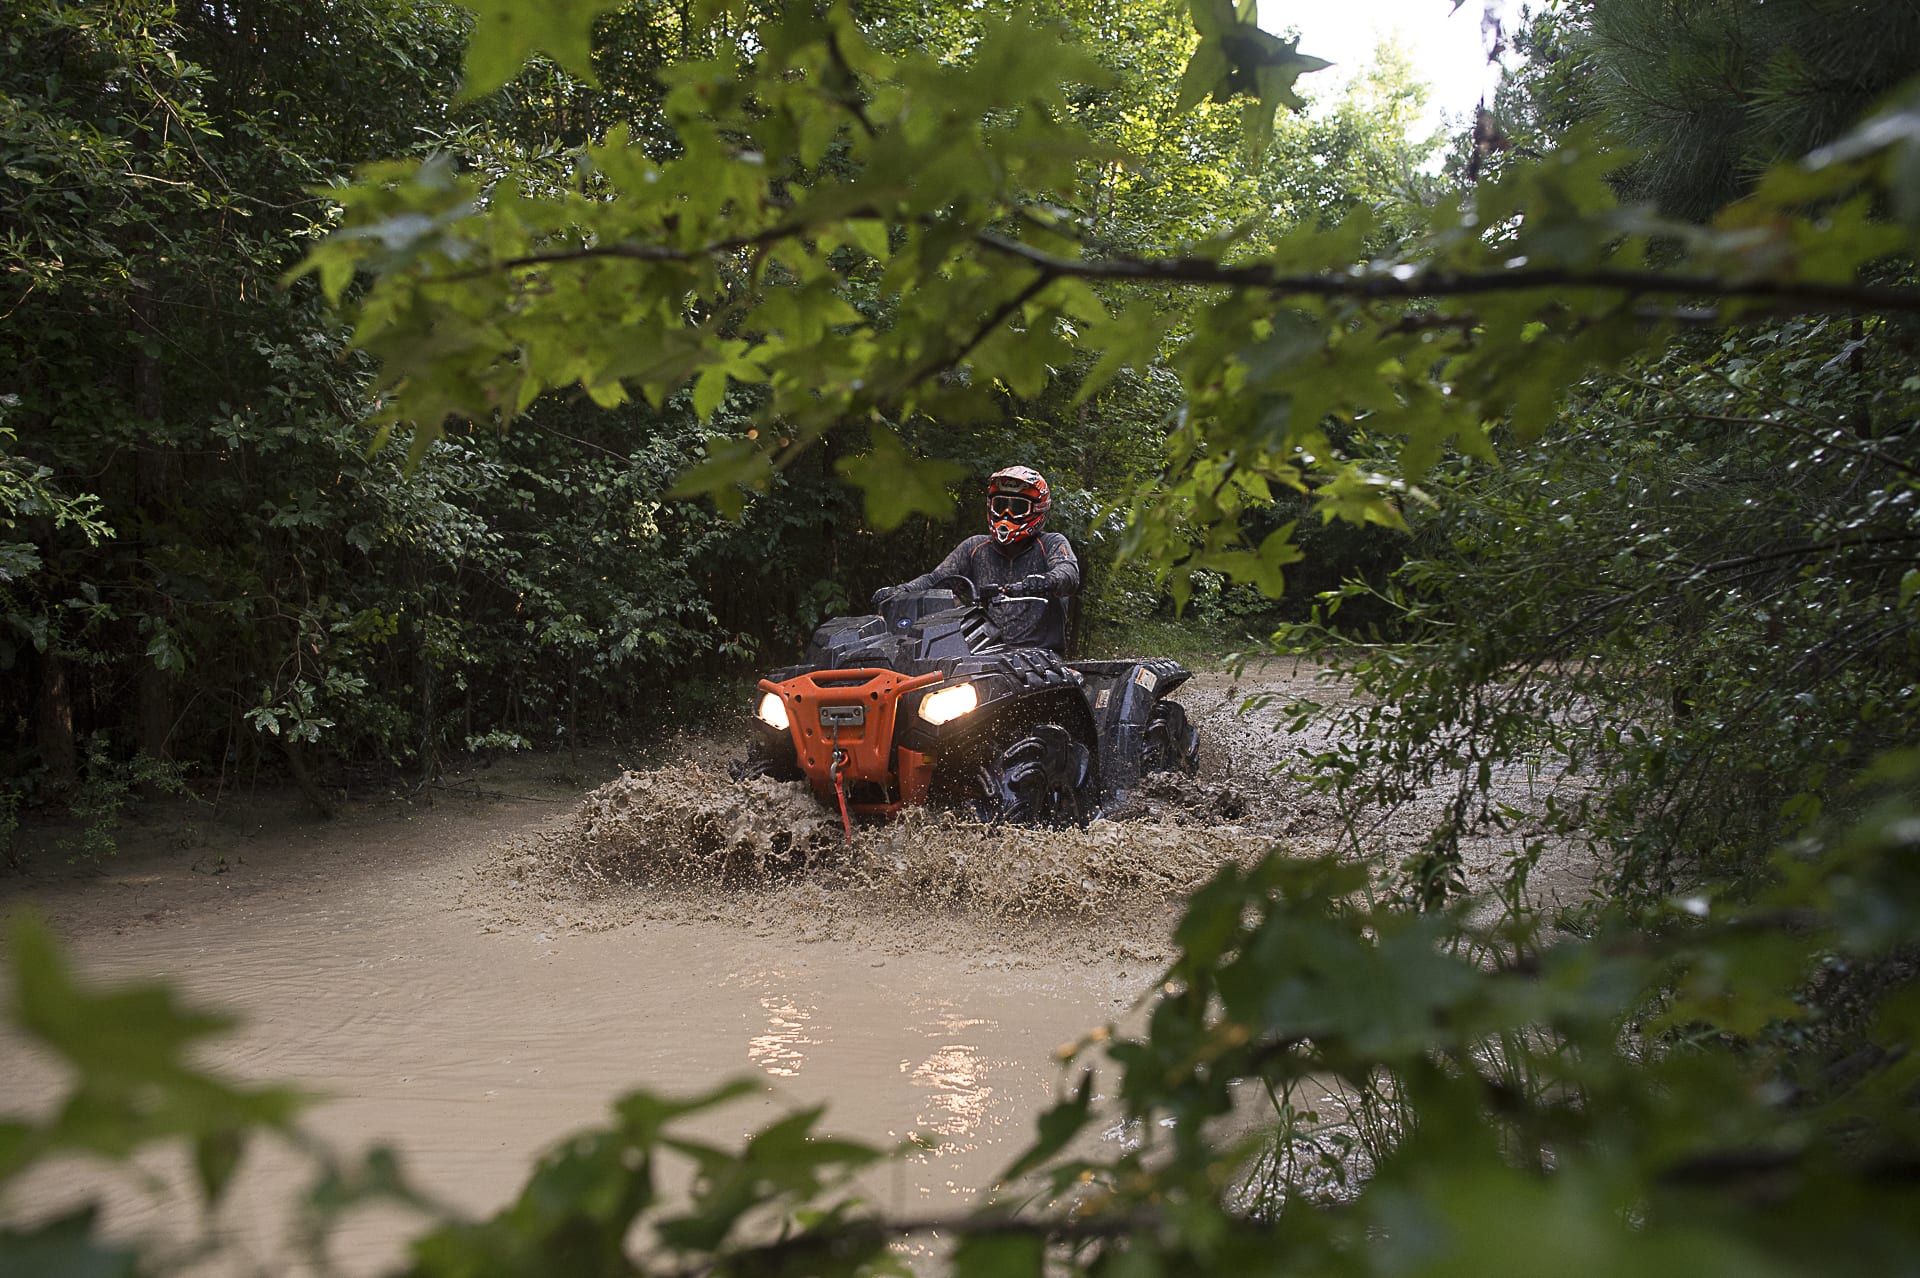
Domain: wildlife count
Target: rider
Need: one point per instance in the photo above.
(1016, 558)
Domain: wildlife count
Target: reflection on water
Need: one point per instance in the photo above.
(956, 1075)
(957, 1099)
(781, 1050)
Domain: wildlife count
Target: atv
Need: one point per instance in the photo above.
(925, 702)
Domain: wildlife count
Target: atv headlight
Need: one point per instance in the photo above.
(949, 704)
(773, 712)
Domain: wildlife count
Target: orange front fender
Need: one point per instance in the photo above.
(853, 712)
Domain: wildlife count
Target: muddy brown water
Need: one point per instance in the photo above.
(470, 982)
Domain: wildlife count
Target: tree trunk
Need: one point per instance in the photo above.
(573, 707)
(53, 718)
(153, 696)
(297, 767)
(429, 733)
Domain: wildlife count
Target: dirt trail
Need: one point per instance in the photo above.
(470, 982)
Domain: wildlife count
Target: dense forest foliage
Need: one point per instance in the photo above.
(681, 324)
(204, 569)
(1696, 587)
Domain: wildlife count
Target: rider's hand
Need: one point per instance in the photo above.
(1034, 584)
(883, 594)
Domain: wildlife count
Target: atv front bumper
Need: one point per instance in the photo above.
(842, 727)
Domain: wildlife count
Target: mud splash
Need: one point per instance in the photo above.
(687, 841)
(649, 840)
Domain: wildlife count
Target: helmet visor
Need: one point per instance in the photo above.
(1010, 505)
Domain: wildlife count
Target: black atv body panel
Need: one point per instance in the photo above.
(1107, 706)
(1122, 696)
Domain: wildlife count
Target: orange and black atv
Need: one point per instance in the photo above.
(925, 702)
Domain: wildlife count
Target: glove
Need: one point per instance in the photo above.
(883, 594)
(1033, 584)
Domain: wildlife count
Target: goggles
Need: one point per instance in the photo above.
(1010, 505)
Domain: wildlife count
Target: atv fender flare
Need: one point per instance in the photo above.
(1122, 697)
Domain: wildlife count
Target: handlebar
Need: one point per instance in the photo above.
(968, 593)
(964, 590)
(962, 587)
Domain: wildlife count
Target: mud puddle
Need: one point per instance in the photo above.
(471, 983)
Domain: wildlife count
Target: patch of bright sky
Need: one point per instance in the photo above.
(1444, 42)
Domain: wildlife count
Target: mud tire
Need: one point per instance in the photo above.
(1171, 743)
(1043, 778)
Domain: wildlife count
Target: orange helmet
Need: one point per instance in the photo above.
(1017, 504)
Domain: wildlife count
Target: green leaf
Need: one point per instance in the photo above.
(507, 32)
(1213, 17)
(165, 653)
(870, 236)
(66, 1247)
(139, 1028)
(376, 1177)
(1129, 340)
(731, 467)
(19, 1146)
(1895, 129)
(896, 484)
(995, 1255)
(216, 1156)
(1206, 74)
(1056, 1126)
(709, 391)
(1360, 497)
(1263, 568)
(646, 1114)
(130, 1053)
(818, 128)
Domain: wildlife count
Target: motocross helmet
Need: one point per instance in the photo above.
(1017, 504)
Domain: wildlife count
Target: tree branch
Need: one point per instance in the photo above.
(983, 330)
(627, 250)
(1410, 284)
(770, 1257)
(1825, 441)
(1414, 283)
(1795, 552)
